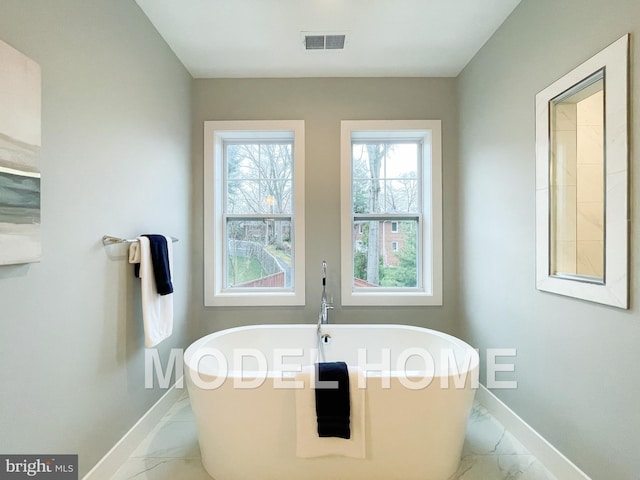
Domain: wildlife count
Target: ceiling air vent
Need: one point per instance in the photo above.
(334, 42)
(317, 41)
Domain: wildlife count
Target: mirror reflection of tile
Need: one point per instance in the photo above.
(577, 156)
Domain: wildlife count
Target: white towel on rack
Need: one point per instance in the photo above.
(157, 310)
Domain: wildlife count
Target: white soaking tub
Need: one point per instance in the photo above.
(419, 390)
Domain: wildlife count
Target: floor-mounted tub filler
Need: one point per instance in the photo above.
(411, 393)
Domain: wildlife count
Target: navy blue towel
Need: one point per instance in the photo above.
(332, 404)
(160, 261)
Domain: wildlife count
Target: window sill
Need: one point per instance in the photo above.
(251, 299)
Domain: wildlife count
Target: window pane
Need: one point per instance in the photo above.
(242, 196)
(275, 160)
(385, 177)
(276, 196)
(402, 160)
(259, 254)
(259, 178)
(384, 257)
(361, 189)
(368, 172)
(401, 196)
(360, 163)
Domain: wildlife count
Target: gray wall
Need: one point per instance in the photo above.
(119, 156)
(323, 103)
(115, 159)
(577, 362)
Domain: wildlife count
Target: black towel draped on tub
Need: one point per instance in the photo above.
(332, 404)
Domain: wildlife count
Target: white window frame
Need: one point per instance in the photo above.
(215, 134)
(430, 236)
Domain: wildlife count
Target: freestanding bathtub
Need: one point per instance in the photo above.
(240, 384)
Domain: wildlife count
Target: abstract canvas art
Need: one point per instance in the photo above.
(20, 140)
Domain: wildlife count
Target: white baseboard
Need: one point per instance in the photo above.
(552, 458)
(121, 451)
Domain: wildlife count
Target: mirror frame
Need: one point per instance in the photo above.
(614, 289)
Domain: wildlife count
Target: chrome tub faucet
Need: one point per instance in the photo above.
(325, 304)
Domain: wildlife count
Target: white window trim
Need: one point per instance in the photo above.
(431, 234)
(215, 133)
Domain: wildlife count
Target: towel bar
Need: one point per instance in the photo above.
(110, 240)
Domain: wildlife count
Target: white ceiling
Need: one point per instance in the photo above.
(385, 38)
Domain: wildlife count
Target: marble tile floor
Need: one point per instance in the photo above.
(171, 452)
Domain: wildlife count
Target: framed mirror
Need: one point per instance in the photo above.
(581, 180)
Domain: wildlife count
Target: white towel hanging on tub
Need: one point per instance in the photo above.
(157, 310)
(308, 443)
